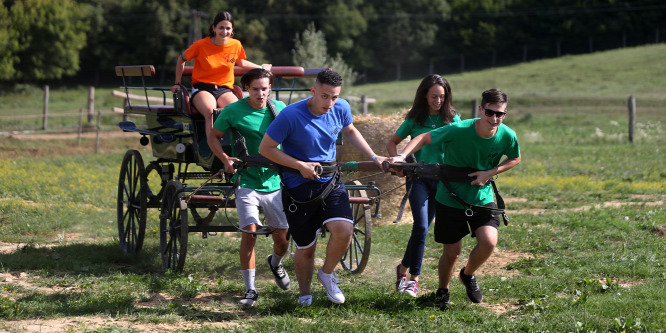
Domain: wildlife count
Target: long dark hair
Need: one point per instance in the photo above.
(221, 16)
(420, 109)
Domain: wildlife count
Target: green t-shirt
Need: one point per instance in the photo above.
(463, 147)
(252, 124)
(430, 154)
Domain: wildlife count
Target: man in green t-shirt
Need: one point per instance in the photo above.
(258, 187)
(478, 144)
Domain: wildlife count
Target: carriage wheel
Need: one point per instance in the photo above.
(173, 227)
(132, 202)
(358, 252)
(154, 181)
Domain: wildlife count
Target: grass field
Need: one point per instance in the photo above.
(584, 251)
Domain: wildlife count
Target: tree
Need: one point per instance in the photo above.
(8, 44)
(310, 51)
(51, 33)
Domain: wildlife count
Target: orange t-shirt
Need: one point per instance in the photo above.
(215, 64)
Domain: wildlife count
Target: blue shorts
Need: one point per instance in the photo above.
(306, 220)
(452, 224)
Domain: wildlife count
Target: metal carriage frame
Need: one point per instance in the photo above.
(176, 141)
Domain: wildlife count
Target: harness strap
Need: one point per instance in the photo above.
(470, 207)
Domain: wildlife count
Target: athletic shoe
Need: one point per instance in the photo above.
(411, 288)
(401, 280)
(442, 299)
(474, 293)
(330, 282)
(250, 298)
(281, 276)
(305, 300)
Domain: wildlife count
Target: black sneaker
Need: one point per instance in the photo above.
(474, 293)
(250, 298)
(281, 276)
(442, 299)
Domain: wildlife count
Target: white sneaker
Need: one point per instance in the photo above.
(305, 300)
(411, 288)
(330, 282)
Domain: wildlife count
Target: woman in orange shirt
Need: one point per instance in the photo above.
(213, 70)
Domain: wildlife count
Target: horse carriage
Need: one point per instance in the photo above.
(189, 199)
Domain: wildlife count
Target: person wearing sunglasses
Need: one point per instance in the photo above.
(432, 108)
(477, 144)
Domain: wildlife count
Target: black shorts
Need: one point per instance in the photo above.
(213, 89)
(452, 224)
(306, 220)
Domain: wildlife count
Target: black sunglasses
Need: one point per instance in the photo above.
(490, 113)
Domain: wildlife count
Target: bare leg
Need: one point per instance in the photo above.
(486, 238)
(304, 267)
(247, 248)
(205, 103)
(341, 234)
(280, 243)
(447, 263)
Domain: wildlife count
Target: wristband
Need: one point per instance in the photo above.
(403, 156)
(373, 157)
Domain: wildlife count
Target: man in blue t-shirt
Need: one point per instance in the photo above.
(307, 131)
(478, 144)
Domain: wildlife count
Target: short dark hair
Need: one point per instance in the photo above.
(221, 16)
(493, 96)
(330, 78)
(255, 74)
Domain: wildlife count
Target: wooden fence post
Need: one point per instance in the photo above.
(475, 108)
(99, 115)
(45, 119)
(80, 127)
(632, 117)
(91, 105)
(364, 104)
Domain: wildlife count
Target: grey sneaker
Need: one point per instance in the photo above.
(330, 283)
(474, 293)
(250, 298)
(442, 299)
(305, 300)
(281, 276)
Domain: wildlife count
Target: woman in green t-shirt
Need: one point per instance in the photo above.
(432, 108)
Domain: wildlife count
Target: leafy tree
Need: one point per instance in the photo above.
(9, 45)
(310, 51)
(51, 35)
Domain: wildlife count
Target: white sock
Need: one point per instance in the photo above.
(276, 259)
(248, 277)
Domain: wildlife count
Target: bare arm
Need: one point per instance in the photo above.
(250, 65)
(483, 176)
(180, 66)
(214, 144)
(392, 145)
(268, 148)
(413, 146)
(356, 139)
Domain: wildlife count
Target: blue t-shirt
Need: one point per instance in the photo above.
(307, 137)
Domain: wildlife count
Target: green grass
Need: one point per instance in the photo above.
(586, 264)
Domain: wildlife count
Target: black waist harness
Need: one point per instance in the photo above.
(450, 173)
(325, 169)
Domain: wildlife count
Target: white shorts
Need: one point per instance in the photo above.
(248, 202)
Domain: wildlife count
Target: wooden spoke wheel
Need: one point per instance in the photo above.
(173, 227)
(132, 202)
(358, 252)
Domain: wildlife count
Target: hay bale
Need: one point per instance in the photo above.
(377, 130)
